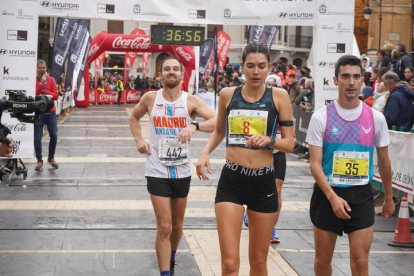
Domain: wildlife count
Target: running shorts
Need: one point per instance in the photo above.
(279, 162)
(168, 187)
(359, 198)
(252, 187)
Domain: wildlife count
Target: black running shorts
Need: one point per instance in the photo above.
(167, 187)
(359, 198)
(279, 162)
(252, 187)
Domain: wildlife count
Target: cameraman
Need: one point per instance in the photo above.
(46, 85)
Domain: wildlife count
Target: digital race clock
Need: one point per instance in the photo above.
(177, 35)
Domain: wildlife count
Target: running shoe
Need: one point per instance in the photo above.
(53, 163)
(172, 265)
(39, 166)
(274, 238)
(246, 220)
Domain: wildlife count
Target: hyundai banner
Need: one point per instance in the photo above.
(206, 54)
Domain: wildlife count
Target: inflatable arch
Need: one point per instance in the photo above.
(132, 43)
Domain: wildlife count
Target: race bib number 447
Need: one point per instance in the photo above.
(246, 123)
(350, 168)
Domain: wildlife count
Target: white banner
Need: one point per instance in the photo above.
(234, 12)
(333, 38)
(18, 36)
(401, 152)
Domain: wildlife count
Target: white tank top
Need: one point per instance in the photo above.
(169, 158)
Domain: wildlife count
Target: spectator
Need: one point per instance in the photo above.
(366, 63)
(291, 70)
(374, 79)
(387, 57)
(46, 85)
(380, 56)
(144, 85)
(367, 78)
(293, 88)
(404, 60)
(408, 74)
(368, 95)
(307, 96)
(138, 82)
(119, 88)
(412, 84)
(398, 110)
(392, 66)
(273, 80)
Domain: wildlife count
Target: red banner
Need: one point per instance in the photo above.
(144, 63)
(109, 96)
(98, 66)
(130, 57)
(223, 46)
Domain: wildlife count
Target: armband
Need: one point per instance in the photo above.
(285, 123)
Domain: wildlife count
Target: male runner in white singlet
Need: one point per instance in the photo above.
(167, 169)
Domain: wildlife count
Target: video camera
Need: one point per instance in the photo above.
(18, 105)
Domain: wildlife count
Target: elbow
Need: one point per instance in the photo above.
(292, 144)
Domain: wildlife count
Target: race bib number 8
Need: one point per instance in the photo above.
(350, 168)
(172, 153)
(246, 123)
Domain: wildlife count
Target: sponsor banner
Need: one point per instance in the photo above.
(401, 152)
(75, 50)
(262, 33)
(334, 31)
(144, 63)
(128, 96)
(130, 58)
(235, 12)
(301, 120)
(223, 46)
(65, 32)
(80, 65)
(98, 66)
(18, 54)
(206, 54)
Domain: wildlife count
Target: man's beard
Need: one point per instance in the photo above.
(171, 83)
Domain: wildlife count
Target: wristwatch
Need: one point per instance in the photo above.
(196, 124)
(272, 140)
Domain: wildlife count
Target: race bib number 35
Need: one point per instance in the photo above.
(350, 168)
(172, 153)
(246, 123)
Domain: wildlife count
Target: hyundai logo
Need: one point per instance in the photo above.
(322, 64)
(283, 14)
(45, 3)
(3, 51)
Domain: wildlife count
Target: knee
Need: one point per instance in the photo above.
(360, 263)
(322, 262)
(259, 263)
(178, 227)
(164, 229)
(230, 267)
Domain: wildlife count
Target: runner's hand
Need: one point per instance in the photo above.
(203, 161)
(257, 141)
(340, 207)
(388, 208)
(143, 147)
(185, 134)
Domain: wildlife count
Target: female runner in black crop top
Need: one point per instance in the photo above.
(247, 177)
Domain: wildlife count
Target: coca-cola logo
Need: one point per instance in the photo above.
(136, 43)
(93, 49)
(16, 146)
(108, 97)
(132, 54)
(184, 54)
(133, 96)
(17, 127)
(223, 54)
(220, 41)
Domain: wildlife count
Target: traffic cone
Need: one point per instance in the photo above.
(403, 232)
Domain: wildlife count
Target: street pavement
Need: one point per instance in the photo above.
(93, 215)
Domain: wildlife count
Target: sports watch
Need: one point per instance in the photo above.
(196, 124)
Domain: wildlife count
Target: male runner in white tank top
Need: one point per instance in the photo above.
(172, 122)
